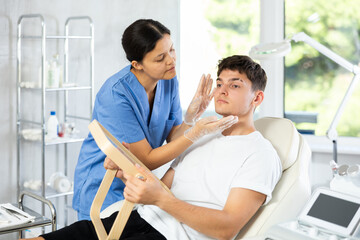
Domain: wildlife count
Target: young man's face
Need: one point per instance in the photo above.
(233, 94)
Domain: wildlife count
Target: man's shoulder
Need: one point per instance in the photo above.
(254, 139)
(264, 142)
(262, 150)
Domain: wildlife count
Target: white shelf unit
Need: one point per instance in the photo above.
(39, 89)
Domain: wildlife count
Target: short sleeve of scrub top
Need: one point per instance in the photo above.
(122, 107)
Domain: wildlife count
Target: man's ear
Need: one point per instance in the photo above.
(259, 97)
(136, 65)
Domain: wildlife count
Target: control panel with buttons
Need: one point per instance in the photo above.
(329, 215)
(295, 230)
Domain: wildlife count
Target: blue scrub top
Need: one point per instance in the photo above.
(122, 107)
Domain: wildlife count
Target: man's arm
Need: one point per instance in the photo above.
(240, 206)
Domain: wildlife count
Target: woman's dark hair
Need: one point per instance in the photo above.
(244, 64)
(140, 38)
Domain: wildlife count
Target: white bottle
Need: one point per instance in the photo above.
(52, 126)
(54, 73)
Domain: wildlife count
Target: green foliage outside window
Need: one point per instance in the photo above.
(313, 83)
(236, 25)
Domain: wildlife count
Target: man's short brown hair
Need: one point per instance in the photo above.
(244, 64)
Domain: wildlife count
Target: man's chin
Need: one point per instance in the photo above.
(223, 113)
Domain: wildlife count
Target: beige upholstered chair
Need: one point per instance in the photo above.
(293, 189)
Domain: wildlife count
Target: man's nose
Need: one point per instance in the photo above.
(223, 89)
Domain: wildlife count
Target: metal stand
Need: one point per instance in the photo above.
(335, 151)
(45, 91)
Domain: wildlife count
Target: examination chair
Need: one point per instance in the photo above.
(293, 189)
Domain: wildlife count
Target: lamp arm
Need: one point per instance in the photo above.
(265, 51)
(326, 51)
(331, 132)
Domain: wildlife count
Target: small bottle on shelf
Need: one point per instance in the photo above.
(52, 126)
(54, 77)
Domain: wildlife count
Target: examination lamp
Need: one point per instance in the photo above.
(273, 50)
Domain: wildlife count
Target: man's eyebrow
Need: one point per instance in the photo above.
(231, 79)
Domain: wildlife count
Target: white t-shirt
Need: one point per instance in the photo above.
(207, 171)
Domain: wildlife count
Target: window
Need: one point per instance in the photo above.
(211, 30)
(314, 84)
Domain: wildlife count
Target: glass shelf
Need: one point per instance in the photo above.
(34, 135)
(61, 140)
(35, 86)
(67, 88)
(55, 37)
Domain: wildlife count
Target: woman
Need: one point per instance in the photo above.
(140, 105)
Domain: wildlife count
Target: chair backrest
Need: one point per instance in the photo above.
(293, 189)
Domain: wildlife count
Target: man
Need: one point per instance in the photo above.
(218, 184)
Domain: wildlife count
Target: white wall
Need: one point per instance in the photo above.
(272, 30)
(110, 18)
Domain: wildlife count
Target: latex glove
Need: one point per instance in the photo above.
(209, 125)
(200, 101)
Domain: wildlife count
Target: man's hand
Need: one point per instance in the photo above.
(144, 188)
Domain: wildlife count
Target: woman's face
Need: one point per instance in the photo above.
(160, 62)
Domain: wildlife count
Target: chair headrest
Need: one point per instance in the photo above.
(283, 135)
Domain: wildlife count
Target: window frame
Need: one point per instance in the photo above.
(272, 29)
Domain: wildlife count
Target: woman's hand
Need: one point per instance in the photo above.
(144, 188)
(209, 125)
(109, 164)
(200, 101)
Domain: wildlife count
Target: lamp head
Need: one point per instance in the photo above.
(264, 51)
